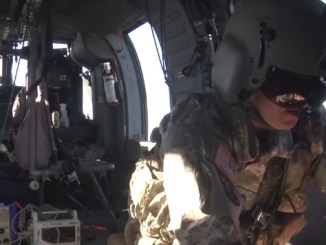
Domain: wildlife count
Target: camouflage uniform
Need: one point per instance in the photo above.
(229, 167)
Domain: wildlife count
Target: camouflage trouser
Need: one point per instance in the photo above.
(116, 239)
(132, 236)
(119, 239)
(129, 237)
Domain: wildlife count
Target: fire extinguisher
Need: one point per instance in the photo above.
(110, 80)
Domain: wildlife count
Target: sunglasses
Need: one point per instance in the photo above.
(291, 90)
(289, 100)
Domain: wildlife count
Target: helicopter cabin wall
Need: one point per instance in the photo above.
(178, 41)
(120, 126)
(90, 51)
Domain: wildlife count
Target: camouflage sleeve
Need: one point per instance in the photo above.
(318, 147)
(203, 205)
(320, 174)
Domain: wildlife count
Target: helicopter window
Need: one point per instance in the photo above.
(86, 88)
(87, 95)
(19, 67)
(59, 46)
(0, 69)
(158, 102)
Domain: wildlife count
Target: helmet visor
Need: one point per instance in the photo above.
(293, 90)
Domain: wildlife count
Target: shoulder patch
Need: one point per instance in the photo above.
(229, 189)
(224, 162)
(226, 169)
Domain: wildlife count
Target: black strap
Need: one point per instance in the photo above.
(33, 86)
(260, 217)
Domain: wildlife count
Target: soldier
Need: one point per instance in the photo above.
(234, 164)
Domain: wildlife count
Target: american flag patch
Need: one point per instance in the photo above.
(224, 161)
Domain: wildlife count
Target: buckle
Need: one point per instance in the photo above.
(262, 217)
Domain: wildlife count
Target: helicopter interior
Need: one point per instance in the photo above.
(84, 162)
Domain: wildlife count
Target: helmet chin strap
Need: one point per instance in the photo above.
(258, 122)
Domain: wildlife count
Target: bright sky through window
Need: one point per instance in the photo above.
(157, 93)
(0, 66)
